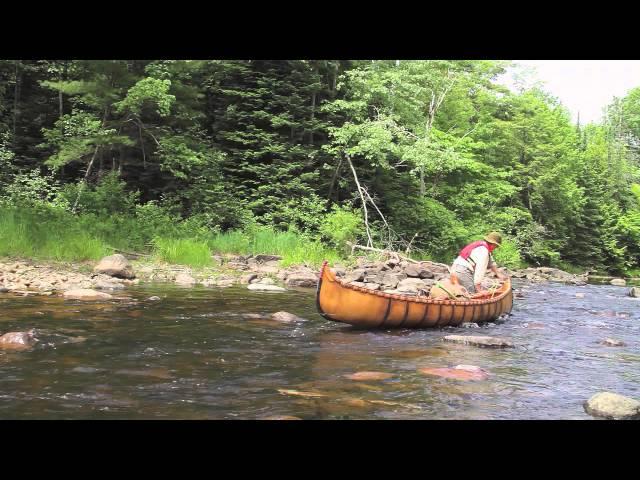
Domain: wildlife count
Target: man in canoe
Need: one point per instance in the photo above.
(470, 266)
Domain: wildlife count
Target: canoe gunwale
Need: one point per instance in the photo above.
(328, 275)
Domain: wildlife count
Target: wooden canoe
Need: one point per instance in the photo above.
(342, 302)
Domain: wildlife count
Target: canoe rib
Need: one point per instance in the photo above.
(342, 302)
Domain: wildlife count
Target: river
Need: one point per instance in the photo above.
(205, 353)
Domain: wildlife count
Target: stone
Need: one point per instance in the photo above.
(268, 288)
(391, 280)
(287, 317)
(225, 282)
(116, 266)
(249, 278)
(613, 406)
(418, 270)
(86, 294)
(267, 258)
(613, 343)
(479, 341)
(411, 284)
(185, 279)
(103, 285)
(304, 280)
(267, 269)
(155, 298)
(372, 286)
(618, 282)
(280, 417)
(356, 275)
(339, 271)
(18, 340)
(360, 376)
(633, 292)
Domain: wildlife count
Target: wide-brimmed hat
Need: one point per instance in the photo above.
(494, 237)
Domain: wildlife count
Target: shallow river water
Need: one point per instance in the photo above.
(203, 353)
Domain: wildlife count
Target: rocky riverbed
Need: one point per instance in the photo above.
(264, 272)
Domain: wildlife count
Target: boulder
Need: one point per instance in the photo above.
(305, 280)
(269, 288)
(116, 266)
(86, 294)
(266, 281)
(479, 341)
(155, 298)
(634, 292)
(613, 406)
(618, 282)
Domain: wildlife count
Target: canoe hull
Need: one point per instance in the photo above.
(374, 309)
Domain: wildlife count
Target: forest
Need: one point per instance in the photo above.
(180, 159)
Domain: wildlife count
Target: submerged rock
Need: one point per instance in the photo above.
(459, 372)
(86, 294)
(613, 406)
(270, 288)
(287, 317)
(116, 266)
(155, 298)
(281, 417)
(369, 376)
(613, 343)
(18, 340)
(479, 341)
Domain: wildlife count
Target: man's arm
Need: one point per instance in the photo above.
(480, 256)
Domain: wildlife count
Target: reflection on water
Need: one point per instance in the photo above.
(205, 353)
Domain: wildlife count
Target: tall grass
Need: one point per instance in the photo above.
(37, 235)
(54, 234)
(293, 248)
(182, 251)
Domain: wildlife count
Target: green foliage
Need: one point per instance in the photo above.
(198, 151)
(340, 226)
(106, 198)
(507, 255)
(148, 91)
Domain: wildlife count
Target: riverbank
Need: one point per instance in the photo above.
(35, 277)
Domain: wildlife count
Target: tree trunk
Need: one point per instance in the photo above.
(333, 180)
(16, 99)
(364, 203)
